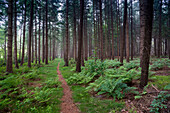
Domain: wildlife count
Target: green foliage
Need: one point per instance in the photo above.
(113, 87)
(89, 104)
(112, 63)
(31, 90)
(167, 87)
(52, 82)
(159, 102)
(32, 75)
(72, 62)
(159, 64)
(91, 70)
(160, 81)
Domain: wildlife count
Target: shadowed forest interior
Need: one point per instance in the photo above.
(85, 56)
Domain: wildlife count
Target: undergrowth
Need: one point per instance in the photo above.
(35, 89)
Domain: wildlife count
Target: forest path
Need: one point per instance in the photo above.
(67, 105)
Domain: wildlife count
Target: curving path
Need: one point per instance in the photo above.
(67, 105)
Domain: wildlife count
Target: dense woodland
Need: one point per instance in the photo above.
(118, 49)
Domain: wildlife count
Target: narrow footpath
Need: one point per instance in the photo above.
(67, 105)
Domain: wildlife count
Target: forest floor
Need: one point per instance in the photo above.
(67, 104)
(41, 89)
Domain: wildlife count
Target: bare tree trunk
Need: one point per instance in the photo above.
(122, 46)
(9, 54)
(50, 37)
(155, 47)
(78, 65)
(160, 31)
(131, 30)
(146, 16)
(5, 48)
(127, 41)
(30, 33)
(20, 44)
(39, 45)
(15, 38)
(46, 61)
(35, 39)
(23, 44)
(85, 38)
(112, 30)
(74, 33)
(43, 48)
(90, 43)
(66, 53)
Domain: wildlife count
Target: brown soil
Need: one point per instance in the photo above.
(67, 105)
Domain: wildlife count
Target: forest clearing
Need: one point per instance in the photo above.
(84, 56)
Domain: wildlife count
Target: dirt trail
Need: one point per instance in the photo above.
(67, 105)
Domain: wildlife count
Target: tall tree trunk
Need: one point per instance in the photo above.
(46, 61)
(112, 30)
(127, 41)
(30, 33)
(20, 44)
(53, 47)
(78, 65)
(131, 30)
(146, 16)
(5, 48)
(74, 33)
(85, 38)
(50, 42)
(32, 49)
(9, 54)
(155, 46)
(43, 48)
(90, 43)
(166, 46)
(23, 44)
(160, 31)
(66, 53)
(15, 39)
(94, 26)
(35, 39)
(122, 46)
(117, 17)
(39, 44)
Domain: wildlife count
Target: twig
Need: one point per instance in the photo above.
(155, 88)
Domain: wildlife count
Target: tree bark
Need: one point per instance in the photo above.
(46, 61)
(15, 38)
(66, 53)
(85, 38)
(146, 17)
(35, 39)
(9, 54)
(43, 46)
(122, 46)
(127, 41)
(74, 33)
(112, 30)
(160, 31)
(78, 65)
(30, 33)
(23, 44)
(131, 30)
(39, 44)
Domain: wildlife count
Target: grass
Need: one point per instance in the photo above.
(35, 89)
(87, 103)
